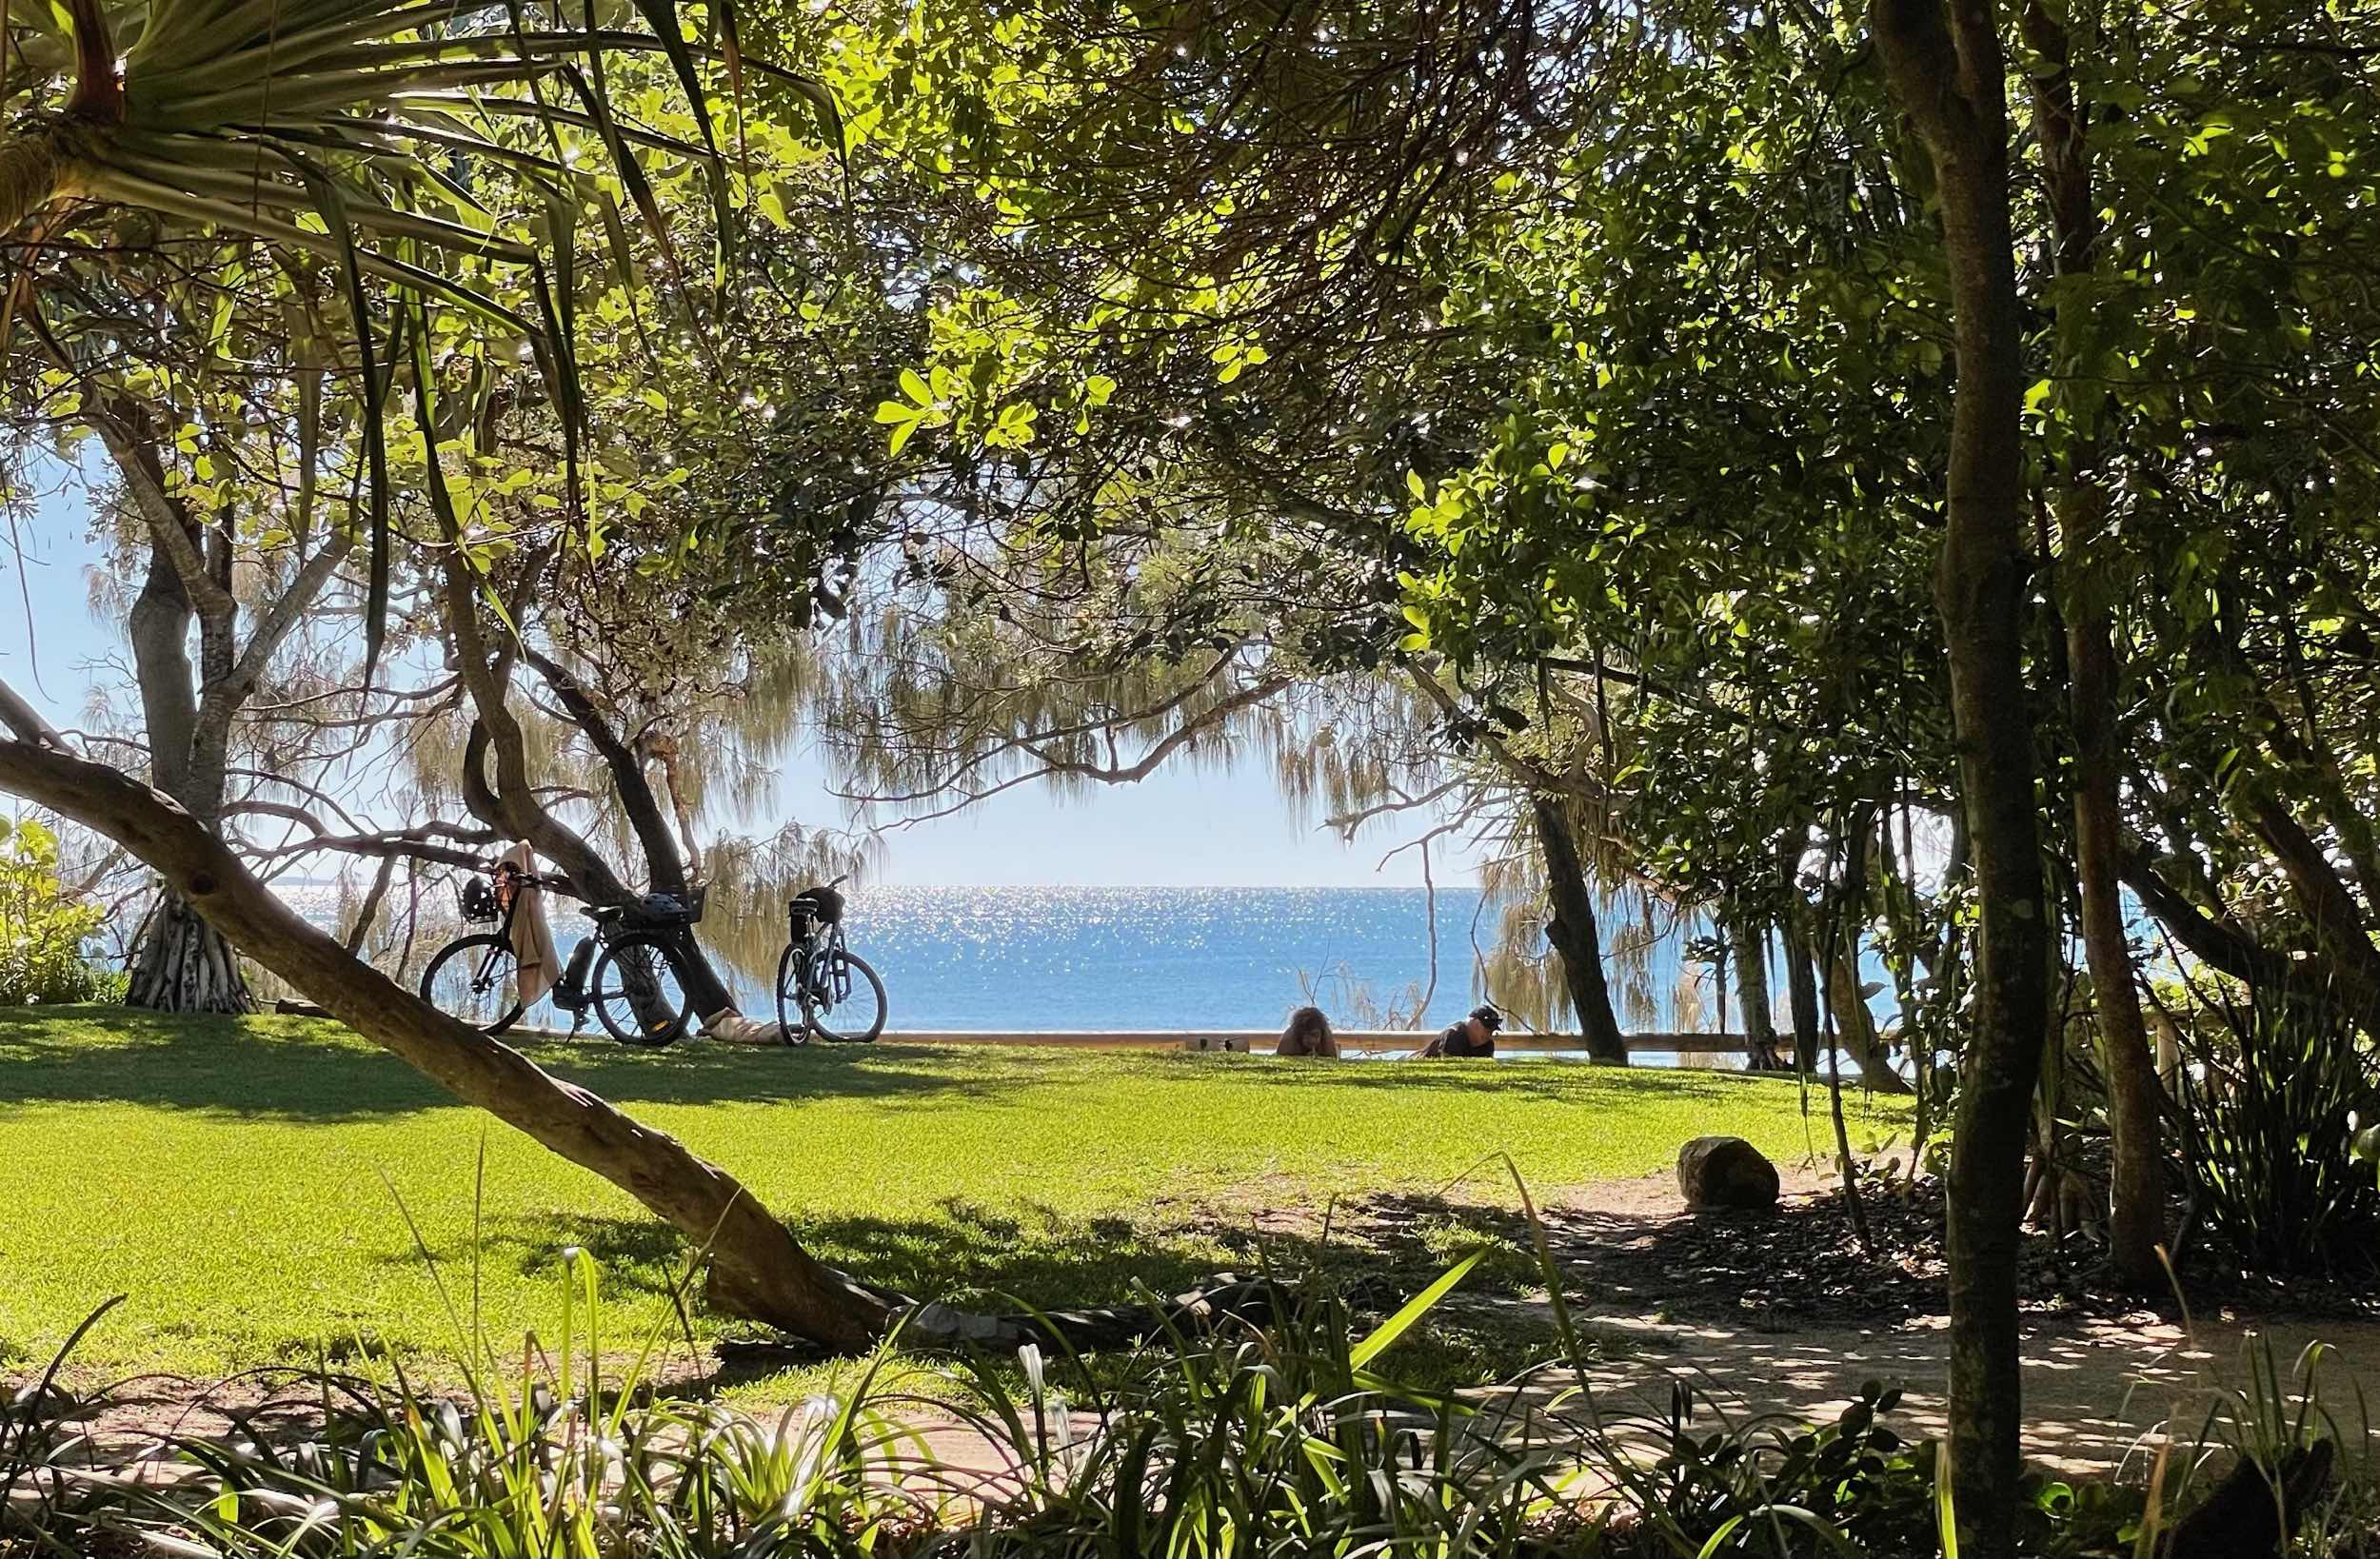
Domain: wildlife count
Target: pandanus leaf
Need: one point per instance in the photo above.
(332, 206)
(332, 129)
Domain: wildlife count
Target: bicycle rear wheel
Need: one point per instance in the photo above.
(475, 980)
(639, 993)
(842, 998)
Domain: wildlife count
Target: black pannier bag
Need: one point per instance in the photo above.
(822, 904)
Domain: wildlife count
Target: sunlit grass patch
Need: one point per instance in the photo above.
(239, 1179)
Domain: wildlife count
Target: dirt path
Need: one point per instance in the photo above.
(2095, 1387)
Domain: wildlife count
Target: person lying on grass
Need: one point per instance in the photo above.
(1473, 1035)
(1309, 1034)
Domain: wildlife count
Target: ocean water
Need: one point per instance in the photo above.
(1162, 957)
(1104, 958)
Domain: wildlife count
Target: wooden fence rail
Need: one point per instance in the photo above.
(1262, 1041)
(1256, 1040)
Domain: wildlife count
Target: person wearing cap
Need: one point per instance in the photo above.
(1473, 1035)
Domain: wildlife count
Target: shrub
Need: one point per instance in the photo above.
(43, 934)
(2271, 1127)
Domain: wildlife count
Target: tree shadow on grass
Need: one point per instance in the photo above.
(307, 1068)
(311, 1069)
(264, 1067)
(1030, 1255)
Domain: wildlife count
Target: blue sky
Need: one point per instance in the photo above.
(1176, 827)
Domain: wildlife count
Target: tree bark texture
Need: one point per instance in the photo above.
(185, 966)
(1947, 70)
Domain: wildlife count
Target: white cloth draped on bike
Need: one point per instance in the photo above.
(532, 936)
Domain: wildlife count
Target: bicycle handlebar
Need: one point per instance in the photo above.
(528, 880)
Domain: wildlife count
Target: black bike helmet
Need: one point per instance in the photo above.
(1489, 1018)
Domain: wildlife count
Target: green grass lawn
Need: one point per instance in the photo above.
(241, 1181)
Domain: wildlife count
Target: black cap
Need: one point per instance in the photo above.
(1488, 1016)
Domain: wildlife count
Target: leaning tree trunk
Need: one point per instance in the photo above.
(1575, 937)
(757, 1269)
(512, 804)
(1855, 1024)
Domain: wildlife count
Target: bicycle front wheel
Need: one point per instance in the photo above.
(842, 998)
(639, 993)
(475, 980)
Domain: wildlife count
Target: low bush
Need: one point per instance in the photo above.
(44, 934)
(2271, 1123)
(1285, 1439)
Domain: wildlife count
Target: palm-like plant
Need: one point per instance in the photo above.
(241, 113)
(404, 147)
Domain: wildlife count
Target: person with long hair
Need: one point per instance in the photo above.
(1308, 1034)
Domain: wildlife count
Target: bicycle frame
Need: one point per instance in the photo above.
(484, 977)
(659, 926)
(822, 942)
(569, 993)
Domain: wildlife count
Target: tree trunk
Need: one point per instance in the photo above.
(2137, 1189)
(2135, 1118)
(1855, 1025)
(1801, 982)
(757, 1269)
(2321, 893)
(185, 966)
(1750, 939)
(511, 802)
(1575, 937)
(1946, 69)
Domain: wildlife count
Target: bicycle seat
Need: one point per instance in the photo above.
(602, 912)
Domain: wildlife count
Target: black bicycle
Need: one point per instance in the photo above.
(631, 972)
(836, 994)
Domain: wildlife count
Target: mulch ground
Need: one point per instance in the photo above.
(1805, 1264)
